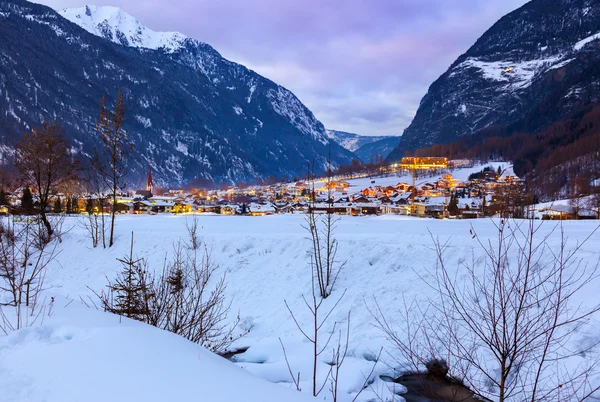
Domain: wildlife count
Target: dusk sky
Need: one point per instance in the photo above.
(361, 66)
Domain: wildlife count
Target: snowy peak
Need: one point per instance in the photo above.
(116, 25)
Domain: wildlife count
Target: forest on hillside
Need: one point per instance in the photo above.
(560, 160)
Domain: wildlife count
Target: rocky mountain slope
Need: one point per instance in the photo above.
(364, 147)
(535, 66)
(190, 112)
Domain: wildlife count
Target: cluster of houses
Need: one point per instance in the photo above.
(428, 199)
(440, 198)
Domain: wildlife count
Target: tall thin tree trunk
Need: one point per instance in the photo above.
(112, 221)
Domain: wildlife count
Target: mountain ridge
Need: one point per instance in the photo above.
(540, 57)
(191, 113)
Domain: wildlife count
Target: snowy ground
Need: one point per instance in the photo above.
(266, 262)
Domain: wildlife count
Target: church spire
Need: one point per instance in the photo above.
(149, 184)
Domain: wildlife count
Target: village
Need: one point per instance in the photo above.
(433, 193)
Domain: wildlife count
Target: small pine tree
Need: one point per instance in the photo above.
(499, 170)
(175, 281)
(27, 201)
(69, 206)
(57, 206)
(129, 289)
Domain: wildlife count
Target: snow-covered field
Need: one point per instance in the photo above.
(80, 354)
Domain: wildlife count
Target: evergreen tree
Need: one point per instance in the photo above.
(57, 206)
(69, 206)
(3, 198)
(89, 206)
(453, 205)
(129, 289)
(75, 205)
(499, 170)
(176, 281)
(27, 201)
(484, 206)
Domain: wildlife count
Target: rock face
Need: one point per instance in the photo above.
(364, 147)
(190, 112)
(535, 66)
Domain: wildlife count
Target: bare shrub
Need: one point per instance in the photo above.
(93, 224)
(185, 298)
(23, 262)
(506, 323)
(192, 228)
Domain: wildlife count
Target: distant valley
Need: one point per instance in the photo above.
(365, 147)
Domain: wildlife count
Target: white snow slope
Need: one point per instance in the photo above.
(79, 354)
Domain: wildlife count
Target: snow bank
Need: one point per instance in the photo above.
(80, 354)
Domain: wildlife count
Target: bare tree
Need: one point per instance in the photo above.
(23, 263)
(324, 273)
(577, 203)
(313, 334)
(507, 329)
(94, 222)
(45, 162)
(324, 245)
(110, 163)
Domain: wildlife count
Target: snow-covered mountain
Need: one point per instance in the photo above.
(191, 113)
(535, 66)
(364, 147)
(116, 25)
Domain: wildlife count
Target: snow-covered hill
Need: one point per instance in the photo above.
(535, 66)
